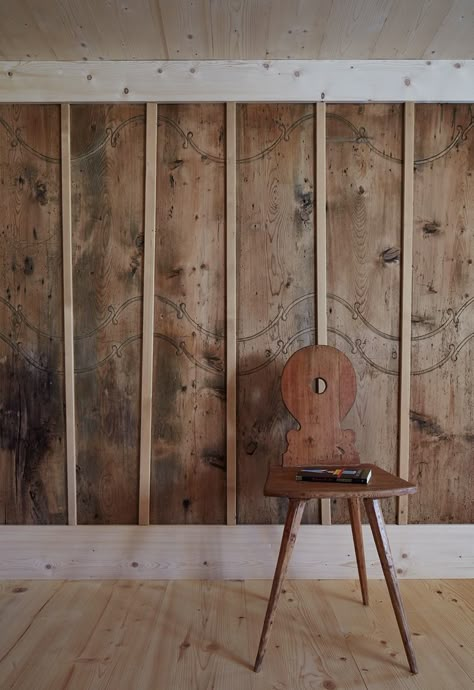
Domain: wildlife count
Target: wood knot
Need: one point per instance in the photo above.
(391, 255)
(431, 228)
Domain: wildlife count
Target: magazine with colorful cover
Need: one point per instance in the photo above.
(351, 475)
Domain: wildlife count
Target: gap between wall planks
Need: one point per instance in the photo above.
(148, 312)
(321, 252)
(406, 304)
(231, 313)
(66, 217)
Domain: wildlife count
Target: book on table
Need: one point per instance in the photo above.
(350, 475)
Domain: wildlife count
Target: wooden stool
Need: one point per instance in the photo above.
(319, 387)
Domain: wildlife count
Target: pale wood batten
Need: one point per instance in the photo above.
(406, 305)
(242, 81)
(68, 308)
(148, 313)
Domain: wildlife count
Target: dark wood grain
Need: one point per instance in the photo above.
(107, 216)
(275, 249)
(442, 397)
(32, 424)
(356, 526)
(188, 435)
(364, 190)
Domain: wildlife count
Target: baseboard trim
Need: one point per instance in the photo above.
(223, 552)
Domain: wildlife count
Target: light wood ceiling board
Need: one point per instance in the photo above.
(68, 30)
(20, 37)
(239, 28)
(116, 30)
(353, 27)
(410, 27)
(297, 28)
(186, 28)
(72, 31)
(86, 30)
(235, 29)
(456, 34)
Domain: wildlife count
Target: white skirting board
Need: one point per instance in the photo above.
(226, 552)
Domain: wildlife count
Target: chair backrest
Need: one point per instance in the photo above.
(319, 387)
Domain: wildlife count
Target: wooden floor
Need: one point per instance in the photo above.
(191, 635)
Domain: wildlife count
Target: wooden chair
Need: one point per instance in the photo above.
(319, 388)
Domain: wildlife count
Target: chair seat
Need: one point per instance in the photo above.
(281, 481)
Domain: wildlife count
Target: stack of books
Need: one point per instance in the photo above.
(350, 475)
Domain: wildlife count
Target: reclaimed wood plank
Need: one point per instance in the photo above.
(276, 278)
(442, 394)
(364, 234)
(188, 460)
(32, 419)
(108, 167)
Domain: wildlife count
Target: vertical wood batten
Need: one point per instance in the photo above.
(148, 312)
(231, 314)
(406, 305)
(66, 218)
(320, 253)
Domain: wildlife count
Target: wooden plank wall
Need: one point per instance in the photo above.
(364, 234)
(442, 386)
(32, 423)
(107, 148)
(275, 256)
(188, 459)
(273, 270)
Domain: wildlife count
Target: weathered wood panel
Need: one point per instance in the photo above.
(275, 250)
(32, 442)
(108, 146)
(188, 436)
(364, 187)
(442, 390)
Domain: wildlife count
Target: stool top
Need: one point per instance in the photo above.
(282, 481)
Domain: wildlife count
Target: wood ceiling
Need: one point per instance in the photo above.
(236, 29)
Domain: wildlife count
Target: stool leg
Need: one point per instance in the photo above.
(374, 513)
(356, 524)
(293, 521)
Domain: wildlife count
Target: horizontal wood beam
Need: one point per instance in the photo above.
(245, 81)
(225, 552)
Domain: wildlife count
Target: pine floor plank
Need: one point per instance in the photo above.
(450, 616)
(375, 641)
(39, 661)
(463, 589)
(307, 648)
(192, 635)
(372, 635)
(200, 640)
(20, 603)
(112, 654)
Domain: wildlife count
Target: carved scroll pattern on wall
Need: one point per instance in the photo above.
(280, 149)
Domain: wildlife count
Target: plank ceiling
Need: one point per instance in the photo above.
(236, 29)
